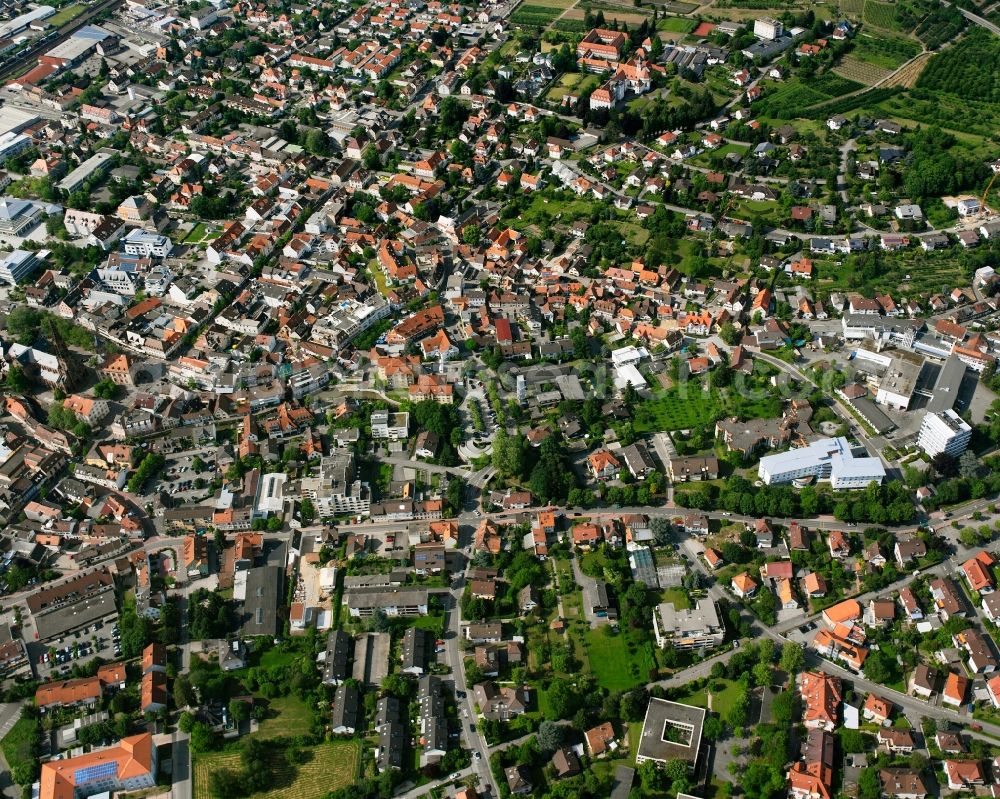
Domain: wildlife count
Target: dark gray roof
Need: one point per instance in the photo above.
(391, 745)
(260, 607)
(415, 646)
(386, 712)
(671, 731)
(948, 385)
(338, 653)
(345, 707)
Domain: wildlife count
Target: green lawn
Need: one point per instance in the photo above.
(547, 208)
(19, 744)
(327, 767)
(721, 701)
(679, 597)
(707, 157)
(676, 25)
(619, 661)
(66, 15)
(593, 563)
(672, 411)
(292, 718)
(197, 234)
(273, 658)
(432, 622)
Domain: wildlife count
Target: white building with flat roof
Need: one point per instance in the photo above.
(16, 266)
(390, 425)
(692, 628)
(146, 245)
(944, 432)
(628, 356)
(827, 459)
(13, 143)
(767, 28)
(270, 498)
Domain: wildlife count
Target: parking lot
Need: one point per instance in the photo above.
(99, 639)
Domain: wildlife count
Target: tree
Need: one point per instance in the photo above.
(783, 708)
(877, 668)
(17, 380)
(739, 712)
(712, 728)
(851, 741)
(944, 464)
(632, 706)
(203, 739)
(564, 699)
(550, 736)
(729, 333)
(240, 711)
(472, 235)
(659, 526)
(509, 453)
(186, 722)
(793, 658)
(183, 693)
(318, 143)
(136, 633)
(106, 389)
(869, 785)
(762, 674)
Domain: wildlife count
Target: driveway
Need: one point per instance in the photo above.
(589, 586)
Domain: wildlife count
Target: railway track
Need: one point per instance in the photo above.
(12, 67)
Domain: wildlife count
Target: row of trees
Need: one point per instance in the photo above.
(889, 503)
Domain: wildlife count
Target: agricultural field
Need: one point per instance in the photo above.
(861, 72)
(908, 76)
(852, 8)
(880, 15)
(790, 98)
(632, 18)
(970, 69)
(947, 111)
(927, 273)
(532, 16)
(888, 52)
(329, 766)
(674, 7)
(567, 26)
(939, 26)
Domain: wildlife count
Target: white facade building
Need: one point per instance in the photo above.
(693, 628)
(767, 28)
(147, 245)
(944, 432)
(393, 426)
(827, 459)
